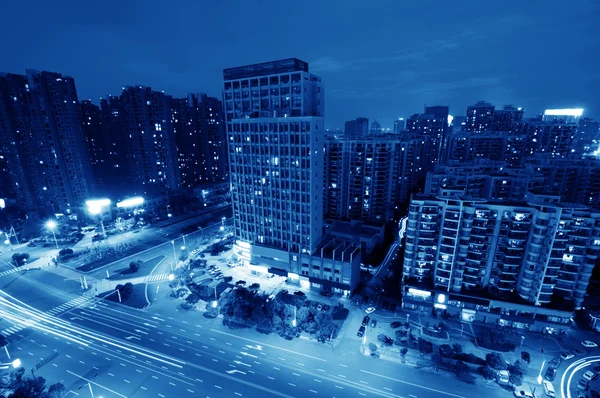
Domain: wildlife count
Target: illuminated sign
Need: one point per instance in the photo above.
(417, 292)
(564, 112)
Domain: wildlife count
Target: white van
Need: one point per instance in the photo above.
(548, 388)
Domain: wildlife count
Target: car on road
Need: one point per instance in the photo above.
(240, 283)
(579, 351)
(589, 375)
(523, 394)
(385, 305)
(550, 373)
(366, 320)
(326, 294)
(370, 310)
(373, 323)
(97, 237)
(589, 344)
(361, 331)
(255, 286)
(567, 355)
(395, 324)
(31, 244)
(525, 356)
(387, 340)
(319, 307)
(299, 293)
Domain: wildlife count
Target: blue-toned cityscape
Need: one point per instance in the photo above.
(239, 242)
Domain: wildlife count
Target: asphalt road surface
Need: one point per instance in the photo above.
(123, 352)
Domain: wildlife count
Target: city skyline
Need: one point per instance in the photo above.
(381, 72)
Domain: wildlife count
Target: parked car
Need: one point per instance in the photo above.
(548, 388)
(366, 320)
(582, 384)
(31, 244)
(525, 356)
(326, 294)
(255, 286)
(395, 324)
(97, 237)
(361, 331)
(567, 355)
(299, 293)
(579, 351)
(373, 323)
(550, 373)
(387, 340)
(589, 344)
(240, 283)
(523, 394)
(555, 362)
(319, 307)
(385, 305)
(370, 310)
(589, 375)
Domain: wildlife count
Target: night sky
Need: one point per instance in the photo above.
(379, 59)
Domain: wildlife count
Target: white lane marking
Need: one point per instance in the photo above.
(171, 383)
(110, 374)
(364, 382)
(143, 388)
(139, 371)
(237, 393)
(341, 388)
(414, 385)
(219, 387)
(345, 366)
(342, 376)
(362, 393)
(126, 381)
(317, 380)
(272, 378)
(413, 396)
(190, 391)
(296, 374)
(301, 364)
(291, 384)
(313, 391)
(268, 345)
(96, 384)
(321, 370)
(154, 377)
(276, 368)
(388, 389)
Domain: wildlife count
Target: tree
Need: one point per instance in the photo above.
(125, 290)
(487, 372)
(228, 279)
(495, 361)
(372, 347)
(517, 371)
(425, 347)
(20, 258)
(3, 341)
(57, 390)
(457, 348)
(461, 368)
(134, 266)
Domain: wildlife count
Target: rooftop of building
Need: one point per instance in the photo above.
(339, 249)
(265, 69)
(352, 228)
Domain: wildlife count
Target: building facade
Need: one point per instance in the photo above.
(433, 124)
(41, 130)
(534, 253)
(357, 128)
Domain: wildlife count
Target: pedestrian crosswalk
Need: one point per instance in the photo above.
(83, 301)
(157, 277)
(8, 272)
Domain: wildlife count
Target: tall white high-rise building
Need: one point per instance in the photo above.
(275, 133)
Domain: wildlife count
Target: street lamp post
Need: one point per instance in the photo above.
(51, 225)
(183, 236)
(407, 316)
(539, 378)
(294, 322)
(174, 254)
(214, 303)
(522, 340)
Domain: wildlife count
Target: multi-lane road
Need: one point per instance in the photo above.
(123, 352)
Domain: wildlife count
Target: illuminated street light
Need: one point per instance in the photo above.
(51, 225)
(214, 303)
(222, 224)
(131, 202)
(94, 207)
(171, 277)
(16, 363)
